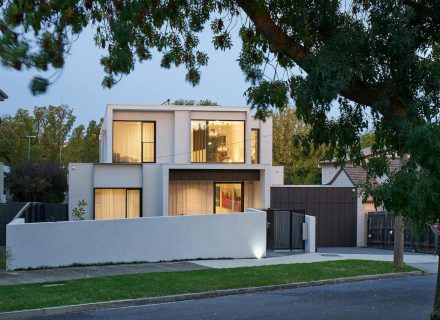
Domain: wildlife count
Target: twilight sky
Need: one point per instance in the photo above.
(80, 83)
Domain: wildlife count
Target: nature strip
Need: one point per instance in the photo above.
(195, 296)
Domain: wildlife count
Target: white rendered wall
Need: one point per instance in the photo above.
(342, 181)
(182, 136)
(54, 244)
(266, 141)
(152, 194)
(328, 171)
(277, 176)
(310, 243)
(117, 176)
(80, 181)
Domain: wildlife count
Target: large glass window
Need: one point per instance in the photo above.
(217, 141)
(117, 203)
(255, 146)
(134, 141)
(148, 142)
(228, 197)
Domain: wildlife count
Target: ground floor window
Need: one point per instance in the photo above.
(117, 203)
(228, 197)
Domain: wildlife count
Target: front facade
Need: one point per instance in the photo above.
(176, 160)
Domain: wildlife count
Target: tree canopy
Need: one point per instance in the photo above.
(53, 137)
(376, 61)
(300, 160)
(37, 182)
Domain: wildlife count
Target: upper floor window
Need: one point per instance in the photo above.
(255, 146)
(134, 141)
(217, 141)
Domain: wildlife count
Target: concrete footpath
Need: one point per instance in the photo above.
(71, 273)
(425, 262)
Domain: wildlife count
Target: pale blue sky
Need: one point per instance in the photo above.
(80, 83)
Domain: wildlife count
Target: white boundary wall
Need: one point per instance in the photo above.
(152, 239)
(310, 243)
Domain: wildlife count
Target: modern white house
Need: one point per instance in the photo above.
(171, 160)
(172, 183)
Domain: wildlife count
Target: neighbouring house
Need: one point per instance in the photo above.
(176, 160)
(3, 96)
(354, 176)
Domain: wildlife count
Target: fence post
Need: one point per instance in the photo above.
(290, 229)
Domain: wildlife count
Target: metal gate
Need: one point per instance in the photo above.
(381, 233)
(284, 229)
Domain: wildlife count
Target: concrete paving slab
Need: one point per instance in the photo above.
(70, 273)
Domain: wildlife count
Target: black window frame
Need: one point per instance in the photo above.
(207, 139)
(228, 182)
(257, 144)
(126, 194)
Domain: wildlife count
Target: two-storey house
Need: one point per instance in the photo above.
(176, 160)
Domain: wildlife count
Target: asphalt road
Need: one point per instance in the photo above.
(407, 298)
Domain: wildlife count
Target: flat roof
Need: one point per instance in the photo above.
(3, 95)
(172, 107)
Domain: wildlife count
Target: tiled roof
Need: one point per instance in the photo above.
(358, 175)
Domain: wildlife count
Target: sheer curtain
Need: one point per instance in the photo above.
(117, 204)
(110, 204)
(133, 203)
(127, 141)
(148, 140)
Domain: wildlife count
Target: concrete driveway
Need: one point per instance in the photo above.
(425, 262)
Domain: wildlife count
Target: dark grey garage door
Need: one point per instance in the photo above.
(334, 209)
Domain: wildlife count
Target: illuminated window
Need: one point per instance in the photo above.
(134, 141)
(117, 204)
(217, 141)
(228, 197)
(255, 146)
(148, 141)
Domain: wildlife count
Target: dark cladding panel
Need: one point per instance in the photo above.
(214, 175)
(334, 209)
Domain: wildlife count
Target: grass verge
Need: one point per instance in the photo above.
(30, 296)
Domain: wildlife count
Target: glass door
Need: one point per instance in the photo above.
(228, 197)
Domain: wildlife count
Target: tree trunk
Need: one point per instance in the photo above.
(435, 315)
(399, 238)
(398, 241)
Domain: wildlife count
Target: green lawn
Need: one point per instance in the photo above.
(167, 283)
(2, 258)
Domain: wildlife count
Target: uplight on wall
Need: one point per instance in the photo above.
(258, 252)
